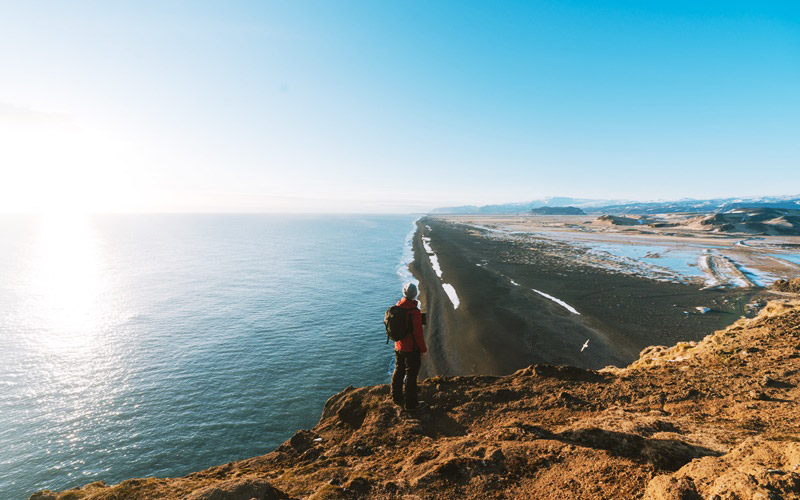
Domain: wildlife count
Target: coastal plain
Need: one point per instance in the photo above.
(503, 292)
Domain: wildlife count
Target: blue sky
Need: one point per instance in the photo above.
(393, 106)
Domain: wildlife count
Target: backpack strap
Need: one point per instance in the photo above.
(411, 329)
(385, 318)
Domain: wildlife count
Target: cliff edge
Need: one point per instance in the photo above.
(715, 417)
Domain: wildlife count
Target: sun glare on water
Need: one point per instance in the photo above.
(66, 281)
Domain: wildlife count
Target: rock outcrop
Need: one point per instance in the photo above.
(791, 285)
(620, 220)
(757, 220)
(711, 419)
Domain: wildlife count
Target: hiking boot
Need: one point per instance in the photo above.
(419, 406)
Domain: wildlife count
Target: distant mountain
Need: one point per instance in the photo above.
(790, 204)
(517, 208)
(557, 211)
(630, 207)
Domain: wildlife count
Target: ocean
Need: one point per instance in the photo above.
(159, 345)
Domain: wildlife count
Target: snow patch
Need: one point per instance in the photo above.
(451, 292)
(448, 288)
(435, 265)
(703, 263)
(558, 301)
(757, 277)
(426, 243)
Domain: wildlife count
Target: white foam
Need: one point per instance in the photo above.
(408, 256)
(451, 292)
(558, 301)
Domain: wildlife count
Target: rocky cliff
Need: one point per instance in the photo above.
(712, 419)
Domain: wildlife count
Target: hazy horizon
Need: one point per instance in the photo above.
(361, 107)
(373, 212)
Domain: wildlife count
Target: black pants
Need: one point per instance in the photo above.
(406, 367)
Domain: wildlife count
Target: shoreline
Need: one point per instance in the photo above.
(519, 306)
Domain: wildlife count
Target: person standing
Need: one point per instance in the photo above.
(408, 352)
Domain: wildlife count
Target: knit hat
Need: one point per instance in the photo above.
(410, 291)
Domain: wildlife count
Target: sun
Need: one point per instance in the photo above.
(63, 166)
(66, 281)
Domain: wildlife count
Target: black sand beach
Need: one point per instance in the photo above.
(500, 327)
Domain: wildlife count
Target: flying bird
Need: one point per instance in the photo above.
(585, 345)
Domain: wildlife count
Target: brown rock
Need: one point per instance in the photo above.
(671, 488)
(238, 489)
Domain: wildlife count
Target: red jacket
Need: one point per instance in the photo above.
(415, 316)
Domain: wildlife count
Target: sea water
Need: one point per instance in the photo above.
(159, 345)
(682, 260)
(793, 258)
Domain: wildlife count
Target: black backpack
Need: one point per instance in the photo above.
(397, 325)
